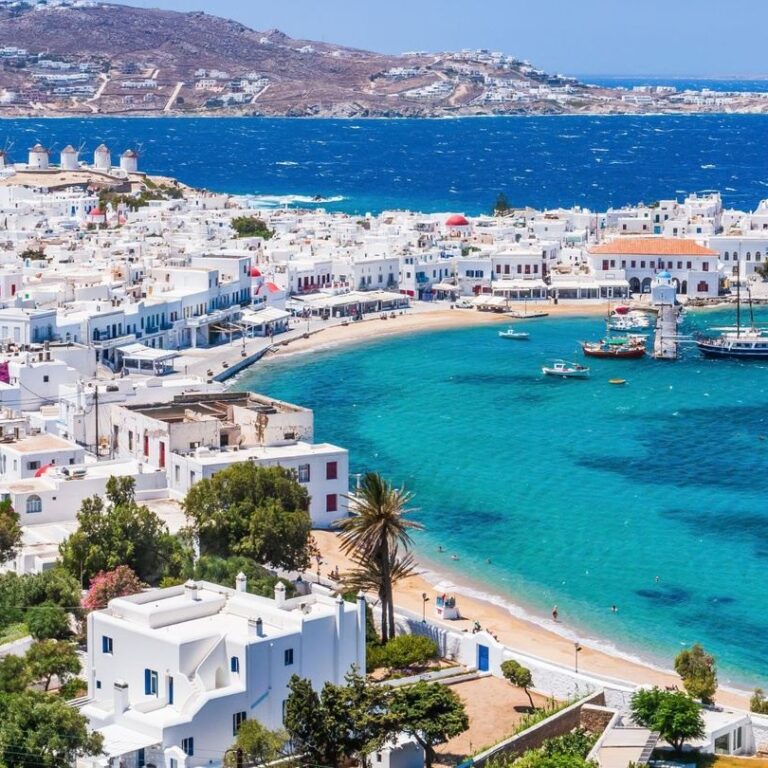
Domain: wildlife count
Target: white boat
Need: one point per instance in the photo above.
(633, 321)
(511, 333)
(566, 370)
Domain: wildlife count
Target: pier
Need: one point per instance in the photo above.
(665, 342)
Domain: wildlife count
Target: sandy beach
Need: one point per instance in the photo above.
(424, 318)
(522, 635)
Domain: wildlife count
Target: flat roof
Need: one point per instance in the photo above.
(42, 443)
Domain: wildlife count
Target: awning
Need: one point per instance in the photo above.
(146, 354)
(445, 287)
(119, 740)
(573, 284)
(517, 285)
(268, 315)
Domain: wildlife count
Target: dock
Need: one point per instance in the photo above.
(665, 342)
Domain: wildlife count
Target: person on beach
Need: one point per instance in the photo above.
(554, 614)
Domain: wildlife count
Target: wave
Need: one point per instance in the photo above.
(276, 201)
(286, 162)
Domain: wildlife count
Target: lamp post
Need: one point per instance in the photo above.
(424, 601)
(576, 651)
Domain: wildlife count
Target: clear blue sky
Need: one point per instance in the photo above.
(682, 37)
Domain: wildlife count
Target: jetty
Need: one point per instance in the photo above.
(665, 341)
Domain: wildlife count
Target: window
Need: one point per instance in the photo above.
(237, 720)
(169, 685)
(106, 644)
(188, 746)
(288, 657)
(46, 379)
(331, 503)
(234, 664)
(141, 758)
(304, 473)
(174, 763)
(98, 684)
(33, 465)
(150, 683)
(332, 470)
(34, 504)
(130, 440)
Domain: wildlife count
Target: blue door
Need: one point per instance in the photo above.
(482, 658)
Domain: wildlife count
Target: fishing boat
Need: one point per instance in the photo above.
(617, 348)
(737, 343)
(511, 333)
(566, 370)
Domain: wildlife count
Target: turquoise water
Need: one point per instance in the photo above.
(580, 493)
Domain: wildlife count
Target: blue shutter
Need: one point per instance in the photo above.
(103, 643)
(170, 690)
(148, 682)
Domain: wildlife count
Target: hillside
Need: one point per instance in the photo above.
(82, 57)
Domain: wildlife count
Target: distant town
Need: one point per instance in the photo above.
(102, 59)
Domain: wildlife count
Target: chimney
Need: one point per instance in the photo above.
(241, 582)
(258, 626)
(280, 594)
(190, 590)
(120, 697)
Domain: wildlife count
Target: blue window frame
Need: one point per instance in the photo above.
(234, 664)
(188, 746)
(288, 657)
(150, 682)
(170, 690)
(106, 644)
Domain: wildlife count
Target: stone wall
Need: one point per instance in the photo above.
(595, 718)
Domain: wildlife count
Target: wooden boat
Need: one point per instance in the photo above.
(617, 382)
(616, 348)
(566, 370)
(511, 333)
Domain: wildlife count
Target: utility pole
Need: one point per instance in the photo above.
(96, 411)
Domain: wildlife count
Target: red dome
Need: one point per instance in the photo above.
(255, 272)
(457, 220)
(96, 212)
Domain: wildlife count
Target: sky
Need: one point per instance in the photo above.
(655, 37)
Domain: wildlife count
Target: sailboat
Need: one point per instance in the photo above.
(737, 343)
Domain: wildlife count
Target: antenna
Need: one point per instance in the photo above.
(81, 147)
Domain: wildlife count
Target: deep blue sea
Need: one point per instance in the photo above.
(438, 165)
(732, 85)
(581, 493)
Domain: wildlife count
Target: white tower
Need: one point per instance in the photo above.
(38, 157)
(3, 158)
(69, 158)
(102, 159)
(663, 290)
(129, 161)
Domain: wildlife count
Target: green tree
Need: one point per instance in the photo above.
(14, 674)
(121, 533)
(431, 713)
(39, 731)
(501, 206)
(257, 512)
(405, 651)
(518, 675)
(758, 703)
(251, 226)
(343, 722)
(698, 672)
(259, 744)
(374, 532)
(48, 621)
(224, 570)
(674, 714)
(49, 658)
(10, 531)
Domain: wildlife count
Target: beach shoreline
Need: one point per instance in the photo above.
(521, 630)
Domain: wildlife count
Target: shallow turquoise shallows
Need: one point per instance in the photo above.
(581, 493)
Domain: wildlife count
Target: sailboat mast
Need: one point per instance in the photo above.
(738, 299)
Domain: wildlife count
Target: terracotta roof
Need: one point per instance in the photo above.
(653, 246)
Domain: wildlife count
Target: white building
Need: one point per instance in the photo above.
(172, 673)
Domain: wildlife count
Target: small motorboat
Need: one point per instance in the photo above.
(566, 370)
(617, 348)
(511, 333)
(617, 382)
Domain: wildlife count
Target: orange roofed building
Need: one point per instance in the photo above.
(694, 268)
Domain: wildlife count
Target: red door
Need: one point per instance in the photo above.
(162, 455)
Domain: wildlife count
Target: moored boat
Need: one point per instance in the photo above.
(566, 370)
(618, 348)
(511, 333)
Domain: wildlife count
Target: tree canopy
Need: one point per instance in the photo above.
(259, 744)
(518, 675)
(674, 714)
(251, 226)
(47, 622)
(10, 531)
(257, 512)
(120, 533)
(430, 712)
(42, 731)
(47, 659)
(698, 671)
(107, 585)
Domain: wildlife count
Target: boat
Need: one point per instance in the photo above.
(616, 347)
(518, 315)
(617, 382)
(511, 333)
(566, 370)
(633, 321)
(737, 343)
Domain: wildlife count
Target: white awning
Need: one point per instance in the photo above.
(517, 285)
(486, 300)
(268, 315)
(119, 740)
(142, 352)
(571, 284)
(445, 287)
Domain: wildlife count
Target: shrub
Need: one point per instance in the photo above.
(406, 651)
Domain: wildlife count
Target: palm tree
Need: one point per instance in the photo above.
(373, 535)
